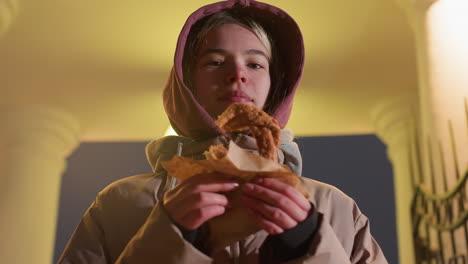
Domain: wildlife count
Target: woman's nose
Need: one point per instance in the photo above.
(236, 74)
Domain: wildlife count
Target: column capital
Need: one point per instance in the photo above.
(394, 118)
(8, 12)
(42, 125)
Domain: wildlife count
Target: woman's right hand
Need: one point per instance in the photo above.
(198, 199)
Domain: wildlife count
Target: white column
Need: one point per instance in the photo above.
(445, 38)
(8, 12)
(394, 122)
(441, 38)
(34, 142)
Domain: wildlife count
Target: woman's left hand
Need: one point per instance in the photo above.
(275, 206)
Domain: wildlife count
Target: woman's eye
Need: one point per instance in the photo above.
(255, 66)
(215, 63)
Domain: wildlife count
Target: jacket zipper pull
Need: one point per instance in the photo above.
(173, 182)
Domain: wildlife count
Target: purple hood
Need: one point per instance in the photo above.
(187, 116)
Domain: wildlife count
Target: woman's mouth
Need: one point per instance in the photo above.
(236, 97)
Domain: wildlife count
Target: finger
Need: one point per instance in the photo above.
(199, 216)
(216, 187)
(183, 206)
(192, 195)
(208, 183)
(285, 189)
(209, 177)
(203, 178)
(265, 224)
(186, 190)
(270, 213)
(276, 200)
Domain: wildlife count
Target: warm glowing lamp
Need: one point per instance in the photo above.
(170, 132)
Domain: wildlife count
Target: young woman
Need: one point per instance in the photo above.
(231, 51)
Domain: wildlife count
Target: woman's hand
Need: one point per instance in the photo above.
(198, 199)
(275, 206)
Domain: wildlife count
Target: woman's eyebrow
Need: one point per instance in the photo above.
(212, 50)
(256, 52)
(223, 51)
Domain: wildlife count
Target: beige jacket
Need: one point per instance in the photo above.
(126, 224)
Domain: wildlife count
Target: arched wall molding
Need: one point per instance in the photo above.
(8, 12)
(35, 141)
(394, 121)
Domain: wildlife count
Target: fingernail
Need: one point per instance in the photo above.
(259, 180)
(235, 184)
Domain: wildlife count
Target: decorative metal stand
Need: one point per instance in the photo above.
(440, 221)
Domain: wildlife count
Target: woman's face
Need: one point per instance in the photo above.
(232, 66)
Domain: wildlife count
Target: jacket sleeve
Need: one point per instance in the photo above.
(326, 248)
(365, 249)
(86, 244)
(158, 239)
